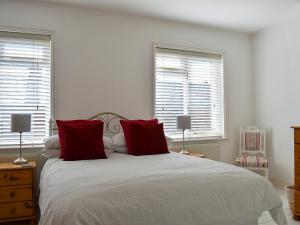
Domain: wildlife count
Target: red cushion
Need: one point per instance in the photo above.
(148, 139)
(81, 139)
(126, 125)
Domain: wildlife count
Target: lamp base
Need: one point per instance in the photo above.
(184, 152)
(20, 161)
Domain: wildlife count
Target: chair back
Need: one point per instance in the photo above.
(252, 140)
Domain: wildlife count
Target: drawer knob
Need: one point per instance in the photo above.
(12, 178)
(13, 210)
(5, 175)
(12, 194)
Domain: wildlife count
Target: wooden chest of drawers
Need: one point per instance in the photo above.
(17, 184)
(296, 206)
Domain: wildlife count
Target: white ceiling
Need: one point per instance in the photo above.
(243, 15)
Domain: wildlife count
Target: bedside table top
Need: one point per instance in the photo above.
(11, 166)
(197, 155)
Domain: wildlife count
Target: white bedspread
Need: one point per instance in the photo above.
(168, 189)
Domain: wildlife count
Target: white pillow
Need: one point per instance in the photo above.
(118, 140)
(107, 141)
(52, 146)
(52, 142)
(52, 152)
(119, 149)
(118, 143)
(108, 151)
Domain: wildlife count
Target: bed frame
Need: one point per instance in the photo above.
(111, 123)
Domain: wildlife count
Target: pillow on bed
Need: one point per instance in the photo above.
(52, 146)
(108, 142)
(126, 125)
(52, 142)
(79, 139)
(118, 140)
(148, 139)
(120, 149)
(55, 152)
(50, 152)
(118, 143)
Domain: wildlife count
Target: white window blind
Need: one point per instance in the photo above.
(190, 83)
(25, 84)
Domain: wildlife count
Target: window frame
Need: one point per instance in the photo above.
(185, 48)
(39, 32)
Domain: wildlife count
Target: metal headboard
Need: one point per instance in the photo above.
(111, 123)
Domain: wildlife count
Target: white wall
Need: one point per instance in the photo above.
(103, 60)
(277, 80)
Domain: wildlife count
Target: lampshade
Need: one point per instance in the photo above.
(184, 122)
(20, 123)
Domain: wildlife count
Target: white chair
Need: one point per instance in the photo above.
(252, 150)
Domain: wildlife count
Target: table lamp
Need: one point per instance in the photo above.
(183, 123)
(20, 123)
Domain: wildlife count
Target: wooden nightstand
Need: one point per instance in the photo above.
(17, 192)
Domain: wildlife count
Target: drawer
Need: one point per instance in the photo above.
(297, 136)
(16, 209)
(15, 194)
(297, 155)
(297, 165)
(15, 177)
(297, 177)
(297, 201)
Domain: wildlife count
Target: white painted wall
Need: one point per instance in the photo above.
(276, 86)
(103, 60)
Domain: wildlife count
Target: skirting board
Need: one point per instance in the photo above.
(280, 184)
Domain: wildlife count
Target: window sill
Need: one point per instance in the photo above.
(197, 139)
(16, 147)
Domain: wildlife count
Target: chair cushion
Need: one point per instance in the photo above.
(252, 160)
(252, 141)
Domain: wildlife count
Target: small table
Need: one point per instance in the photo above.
(17, 191)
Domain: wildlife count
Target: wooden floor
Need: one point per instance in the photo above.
(266, 219)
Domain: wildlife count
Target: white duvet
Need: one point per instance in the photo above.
(167, 189)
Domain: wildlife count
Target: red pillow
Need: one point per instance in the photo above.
(148, 139)
(126, 125)
(81, 139)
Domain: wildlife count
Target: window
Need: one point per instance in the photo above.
(189, 83)
(25, 84)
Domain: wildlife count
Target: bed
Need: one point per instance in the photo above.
(165, 189)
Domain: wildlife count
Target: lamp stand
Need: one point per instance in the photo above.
(20, 160)
(183, 151)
